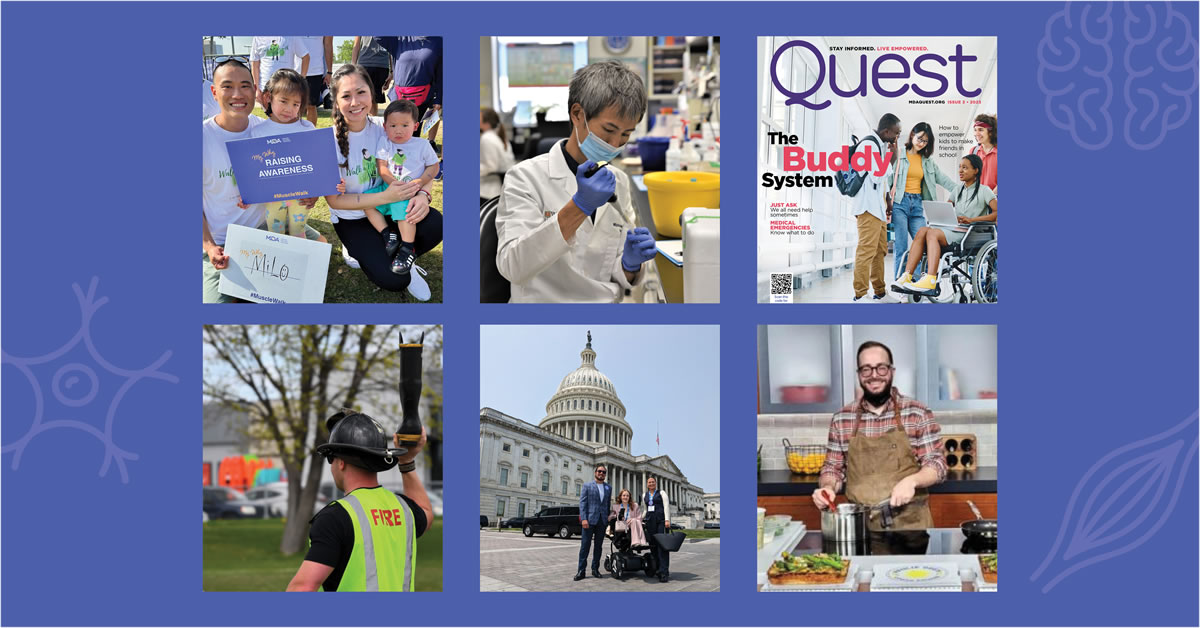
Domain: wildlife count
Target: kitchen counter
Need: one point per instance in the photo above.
(784, 483)
(891, 550)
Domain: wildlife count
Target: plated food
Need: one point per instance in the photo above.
(987, 567)
(808, 569)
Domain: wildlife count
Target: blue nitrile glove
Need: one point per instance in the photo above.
(593, 191)
(639, 249)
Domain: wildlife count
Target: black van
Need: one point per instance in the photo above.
(554, 520)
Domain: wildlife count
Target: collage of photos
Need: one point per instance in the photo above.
(877, 455)
(337, 145)
(880, 195)
(599, 444)
(599, 158)
(322, 458)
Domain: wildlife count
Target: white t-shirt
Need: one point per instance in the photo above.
(495, 155)
(408, 160)
(361, 174)
(274, 52)
(220, 186)
(315, 47)
(870, 196)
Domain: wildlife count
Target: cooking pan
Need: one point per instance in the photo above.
(979, 528)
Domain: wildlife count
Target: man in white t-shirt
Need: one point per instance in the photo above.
(873, 209)
(233, 88)
(271, 52)
(320, 70)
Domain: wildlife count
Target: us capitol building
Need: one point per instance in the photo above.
(524, 467)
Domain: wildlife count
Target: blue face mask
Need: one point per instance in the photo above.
(595, 148)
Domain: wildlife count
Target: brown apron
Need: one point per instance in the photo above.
(875, 465)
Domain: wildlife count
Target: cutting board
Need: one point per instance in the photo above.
(916, 575)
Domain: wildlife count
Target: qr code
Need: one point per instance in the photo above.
(781, 283)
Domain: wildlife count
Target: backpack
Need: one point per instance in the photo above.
(850, 181)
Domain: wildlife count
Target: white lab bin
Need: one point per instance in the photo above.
(701, 255)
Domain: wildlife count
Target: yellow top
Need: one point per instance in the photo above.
(912, 185)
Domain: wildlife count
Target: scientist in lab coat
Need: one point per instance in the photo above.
(564, 237)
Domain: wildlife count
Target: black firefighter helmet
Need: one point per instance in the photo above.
(359, 440)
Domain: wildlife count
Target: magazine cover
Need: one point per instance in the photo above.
(877, 165)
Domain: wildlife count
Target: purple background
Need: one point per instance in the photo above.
(1098, 319)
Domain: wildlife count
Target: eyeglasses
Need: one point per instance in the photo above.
(879, 369)
(601, 471)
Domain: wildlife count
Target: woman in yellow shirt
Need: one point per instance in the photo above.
(916, 179)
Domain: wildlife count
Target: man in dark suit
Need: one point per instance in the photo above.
(594, 502)
(657, 518)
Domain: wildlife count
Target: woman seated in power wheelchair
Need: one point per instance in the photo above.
(629, 551)
(966, 254)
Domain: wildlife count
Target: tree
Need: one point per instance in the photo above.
(289, 378)
(344, 51)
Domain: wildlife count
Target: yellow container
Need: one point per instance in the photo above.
(672, 192)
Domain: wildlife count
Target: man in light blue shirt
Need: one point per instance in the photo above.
(873, 208)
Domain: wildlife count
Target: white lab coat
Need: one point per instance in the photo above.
(532, 254)
(495, 155)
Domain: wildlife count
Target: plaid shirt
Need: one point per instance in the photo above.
(917, 421)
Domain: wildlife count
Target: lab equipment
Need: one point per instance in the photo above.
(702, 255)
(672, 192)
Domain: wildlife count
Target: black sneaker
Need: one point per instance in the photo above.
(403, 261)
(391, 242)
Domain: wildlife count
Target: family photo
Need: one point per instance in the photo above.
(599, 158)
(337, 145)
(608, 480)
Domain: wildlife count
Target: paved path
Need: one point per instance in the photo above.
(512, 562)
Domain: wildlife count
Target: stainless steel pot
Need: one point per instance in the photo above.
(844, 529)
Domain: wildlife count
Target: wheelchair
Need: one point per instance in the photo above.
(966, 270)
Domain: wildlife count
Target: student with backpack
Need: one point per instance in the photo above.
(872, 207)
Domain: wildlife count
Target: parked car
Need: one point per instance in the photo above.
(676, 526)
(222, 502)
(483, 521)
(712, 526)
(273, 498)
(554, 520)
(516, 521)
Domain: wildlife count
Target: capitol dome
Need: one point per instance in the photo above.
(585, 408)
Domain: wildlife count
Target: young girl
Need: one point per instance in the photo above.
(287, 99)
(401, 157)
(972, 203)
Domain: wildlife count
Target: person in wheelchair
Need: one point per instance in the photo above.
(626, 519)
(973, 203)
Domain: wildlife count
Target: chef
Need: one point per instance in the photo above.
(884, 448)
(564, 225)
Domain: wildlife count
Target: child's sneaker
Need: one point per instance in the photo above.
(403, 260)
(391, 242)
(350, 261)
(928, 283)
(417, 286)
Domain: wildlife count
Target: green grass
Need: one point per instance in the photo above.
(347, 285)
(243, 555)
(702, 534)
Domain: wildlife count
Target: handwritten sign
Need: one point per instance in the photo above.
(285, 167)
(270, 267)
